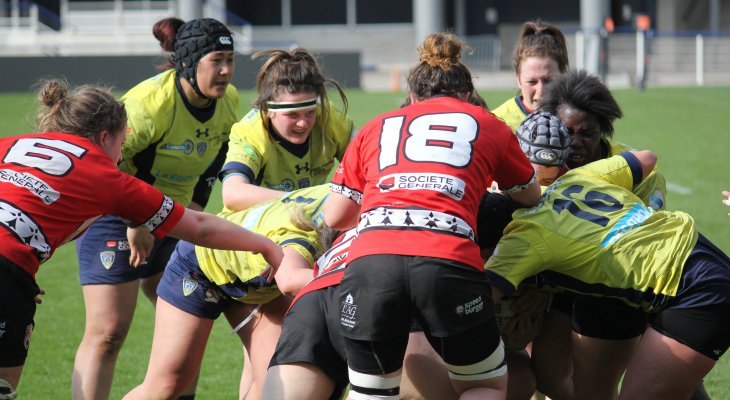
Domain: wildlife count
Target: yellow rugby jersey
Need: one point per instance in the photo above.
(271, 219)
(653, 189)
(169, 147)
(589, 234)
(512, 112)
(254, 153)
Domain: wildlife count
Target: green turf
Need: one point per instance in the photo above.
(682, 125)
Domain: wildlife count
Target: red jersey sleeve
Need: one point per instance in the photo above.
(144, 205)
(514, 172)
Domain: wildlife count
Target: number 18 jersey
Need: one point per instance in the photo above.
(419, 174)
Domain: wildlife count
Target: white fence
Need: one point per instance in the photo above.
(93, 28)
(123, 27)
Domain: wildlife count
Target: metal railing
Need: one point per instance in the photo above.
(123, 27)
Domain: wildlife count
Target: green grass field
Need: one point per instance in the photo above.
(682, 125)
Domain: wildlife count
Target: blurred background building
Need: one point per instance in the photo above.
(627, 42)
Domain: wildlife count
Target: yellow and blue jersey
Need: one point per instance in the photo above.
(590, 234)
(171, 144)
(277, 164)
(273, 220)
(653, 189)
(512, 112)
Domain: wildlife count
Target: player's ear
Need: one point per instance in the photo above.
(104, 137)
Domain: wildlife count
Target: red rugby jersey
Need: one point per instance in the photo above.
(329, 269)
(54, 185)
(419, 174)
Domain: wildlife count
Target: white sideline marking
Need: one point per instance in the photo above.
(677, 188)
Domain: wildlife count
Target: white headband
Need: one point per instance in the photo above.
(284, 106)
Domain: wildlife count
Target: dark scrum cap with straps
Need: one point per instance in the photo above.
(195, 39)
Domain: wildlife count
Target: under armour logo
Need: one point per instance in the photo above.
(304, 167)
(200, 133)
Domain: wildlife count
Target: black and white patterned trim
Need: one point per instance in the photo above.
(161, 215)
(25, 229)
(347, 192)
(519, 188)
(397, 218)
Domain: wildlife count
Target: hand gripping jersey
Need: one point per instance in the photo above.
(512, 112)
(419, 174)
(171, 144)
(278, 165)
(273, 220)
(329, 269)
(590, 234)
(53, 185)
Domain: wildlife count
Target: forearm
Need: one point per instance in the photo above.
(529, 196)
(207, 230)
(294, 272)
(239, 194)
(340, 212)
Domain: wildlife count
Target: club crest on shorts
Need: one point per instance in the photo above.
(188, 286)
(348, 312)
(107, 258)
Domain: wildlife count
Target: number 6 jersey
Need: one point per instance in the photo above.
(419, 173)
(53, 185)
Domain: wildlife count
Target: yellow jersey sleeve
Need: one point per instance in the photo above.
(512, 112)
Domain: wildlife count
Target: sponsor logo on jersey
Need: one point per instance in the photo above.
(446, 184)
(121, 245)
(186, 147)
(348, 312)
(107, 258)
(2, 328)
(632, 220)
(286, 185)
(212, 296)
(656, 200)
(470, 307)
(201, 147)
(189, 286)
(302, 168)
(200, 133)
(29, 181)
(249, 150)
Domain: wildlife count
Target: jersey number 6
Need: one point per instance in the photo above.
(441, 138)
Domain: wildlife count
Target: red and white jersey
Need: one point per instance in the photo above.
(329, 269)
(419, 174)
(54, 185)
